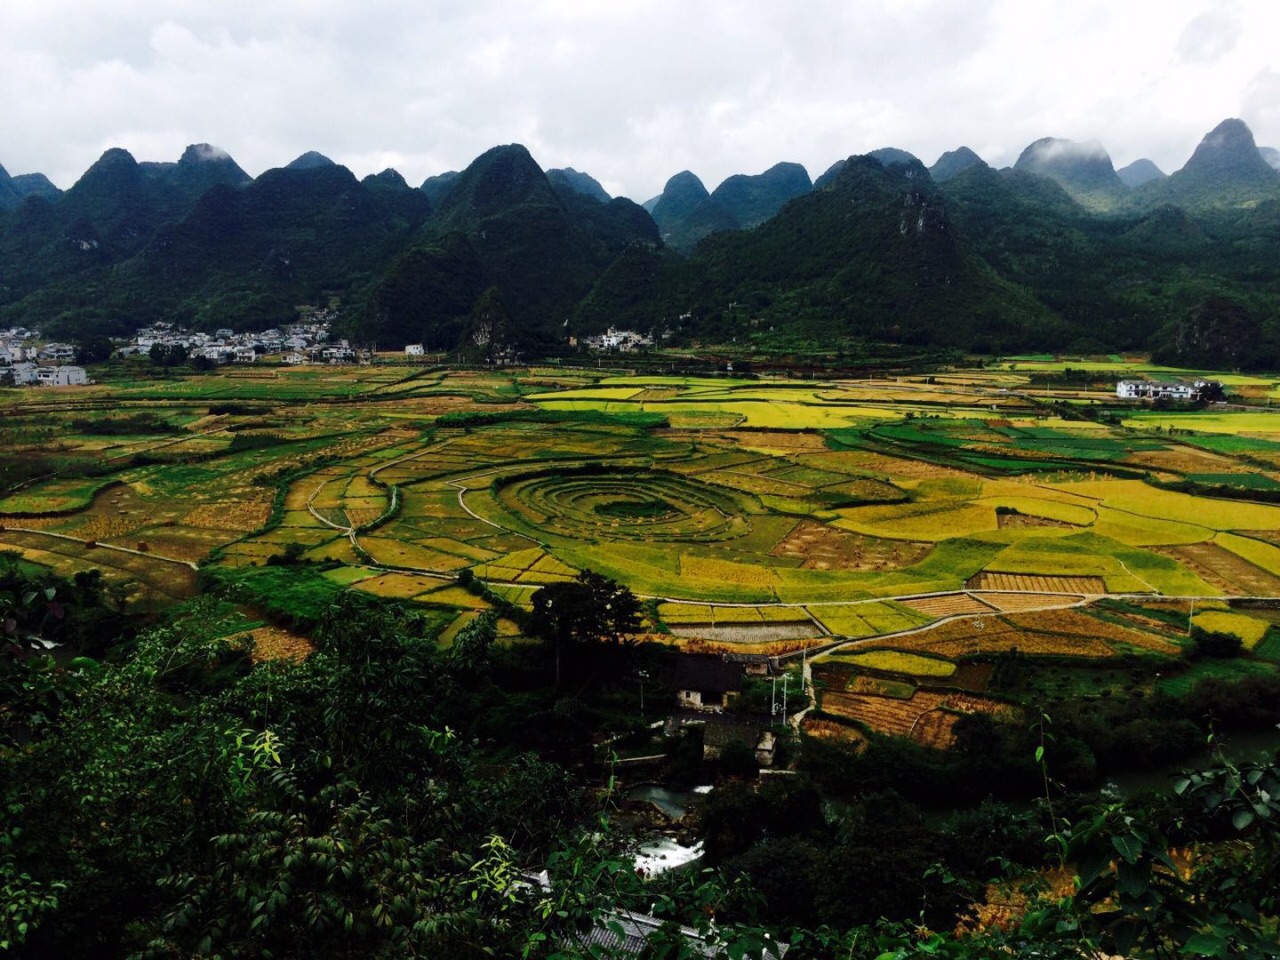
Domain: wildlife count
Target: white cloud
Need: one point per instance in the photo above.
(630, 91)
(1210, 36)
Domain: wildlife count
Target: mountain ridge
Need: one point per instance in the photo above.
(879, 248)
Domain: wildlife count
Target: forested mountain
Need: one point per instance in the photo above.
(1059, 251)
(1084, 170)
(1139, 172)
(9, 196)
(953, 162)
(1226, 170)
(503, 225)
(686, 213)
(578, 182)
(751, 200)
(310, 161)
(886, 155)
(436, 187)
(1124, 280)
(874, 255)
(257, 250)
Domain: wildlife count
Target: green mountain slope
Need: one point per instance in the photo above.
(1226, 170)
(751, 200)
(1083, 170)
(9, 196)
(504, 225)
(874, 255)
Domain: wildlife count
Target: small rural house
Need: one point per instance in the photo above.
(414, 350)
(23, 373)
(68, 376)
(704, 681)
(717, 735)
(756, 664)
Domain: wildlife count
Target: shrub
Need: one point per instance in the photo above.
(1214, 643)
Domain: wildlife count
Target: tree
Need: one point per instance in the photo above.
(168, 355)
(472, 651)
(590, 609)
(93, 349)
(1215, 643)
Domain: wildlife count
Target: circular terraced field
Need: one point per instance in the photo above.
(639, 505)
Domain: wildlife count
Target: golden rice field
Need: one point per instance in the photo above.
(1249, 629)
(896, 661)
(948, 605)
(928, 717)
(1029, 583)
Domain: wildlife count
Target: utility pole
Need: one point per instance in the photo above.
(785, 678)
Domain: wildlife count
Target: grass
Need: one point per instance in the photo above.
(1208, 668)
(298, 594)
(53, 496)
(1269, 647)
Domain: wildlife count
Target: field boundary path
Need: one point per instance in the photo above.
(811, 652)
(99, 545)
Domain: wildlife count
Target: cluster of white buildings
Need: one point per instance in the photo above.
(17, 344)
(227, 346)
(1160, 390)
(26, 362)
(614, 340)
(295, 343)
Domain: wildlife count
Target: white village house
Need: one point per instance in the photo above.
(67, 376)
(1158, 390)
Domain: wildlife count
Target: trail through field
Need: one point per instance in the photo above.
(99, 545)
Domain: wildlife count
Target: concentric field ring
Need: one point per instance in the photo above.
(619, 504)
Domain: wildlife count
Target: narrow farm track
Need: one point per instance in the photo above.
(99, 545)
(349, 531)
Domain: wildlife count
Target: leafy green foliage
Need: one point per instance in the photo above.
(588, 610)
(1215, 643)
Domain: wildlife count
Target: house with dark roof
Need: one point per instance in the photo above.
(704, 681)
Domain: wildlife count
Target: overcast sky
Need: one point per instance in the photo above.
(631, 91)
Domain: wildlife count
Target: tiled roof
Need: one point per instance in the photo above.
(705, 671)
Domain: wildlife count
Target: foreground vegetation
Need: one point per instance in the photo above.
(384, 797)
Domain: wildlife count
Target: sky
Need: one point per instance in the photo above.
(630, 91)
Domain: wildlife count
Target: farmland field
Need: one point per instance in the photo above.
(904, 516)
